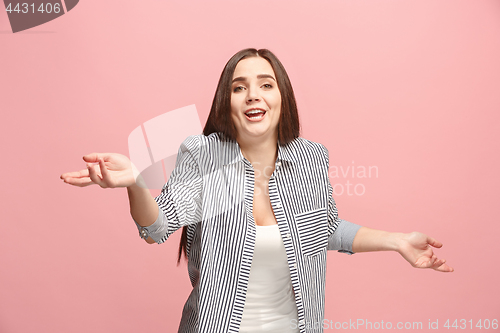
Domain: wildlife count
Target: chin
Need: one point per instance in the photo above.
(258, 133)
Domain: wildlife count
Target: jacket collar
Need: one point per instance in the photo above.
(285, 152)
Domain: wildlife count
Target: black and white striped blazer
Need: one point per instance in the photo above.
(211, 191)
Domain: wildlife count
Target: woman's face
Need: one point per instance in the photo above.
(255, 99)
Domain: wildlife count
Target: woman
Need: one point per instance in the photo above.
(256, 208)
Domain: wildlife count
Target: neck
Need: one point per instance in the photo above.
(262, 150)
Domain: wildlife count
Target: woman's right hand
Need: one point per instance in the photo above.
(109, 171)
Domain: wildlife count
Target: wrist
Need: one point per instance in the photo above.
(398, 238)
(138, 180)
(367, 240)
(133, 186)
(138, 183)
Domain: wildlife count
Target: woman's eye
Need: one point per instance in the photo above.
(237, 89)
(267, 85)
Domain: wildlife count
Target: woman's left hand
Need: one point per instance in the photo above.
(416, 248)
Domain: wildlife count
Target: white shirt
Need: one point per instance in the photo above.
(270, 302)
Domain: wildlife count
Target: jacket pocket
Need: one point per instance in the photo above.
(313, 231)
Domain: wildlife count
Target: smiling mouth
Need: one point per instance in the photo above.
(255, 114)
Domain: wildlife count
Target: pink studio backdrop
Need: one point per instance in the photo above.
(409, 88)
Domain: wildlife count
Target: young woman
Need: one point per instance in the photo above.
(256, 207)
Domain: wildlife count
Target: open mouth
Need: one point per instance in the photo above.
(256, 114)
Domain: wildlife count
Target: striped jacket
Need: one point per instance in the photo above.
(211, 191)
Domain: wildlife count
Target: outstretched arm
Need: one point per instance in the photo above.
(111, 170)
(415, 247)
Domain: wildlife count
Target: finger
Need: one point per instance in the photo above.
(427, 263)
(94, 176)
(81, 182)
(444, 268)
(438, 263)
(434, 242)
(75, 174)
(91, 157)
(434, 258)
(105, 174)
(94, 157)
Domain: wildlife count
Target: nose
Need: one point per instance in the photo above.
(253, 95)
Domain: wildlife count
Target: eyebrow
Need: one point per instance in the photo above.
(260, 76)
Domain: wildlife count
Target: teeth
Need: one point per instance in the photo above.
(254, 111)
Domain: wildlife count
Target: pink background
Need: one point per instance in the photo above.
(411, 87)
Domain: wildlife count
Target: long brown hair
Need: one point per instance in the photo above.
(220, 120)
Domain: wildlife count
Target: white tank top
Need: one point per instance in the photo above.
(270, 302)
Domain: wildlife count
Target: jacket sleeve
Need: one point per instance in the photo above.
(341, 233)
(180, 200)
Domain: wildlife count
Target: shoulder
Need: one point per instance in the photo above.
(310, 149)
(311, 145)
(201, 139)
(209, 149)
(195, 142)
